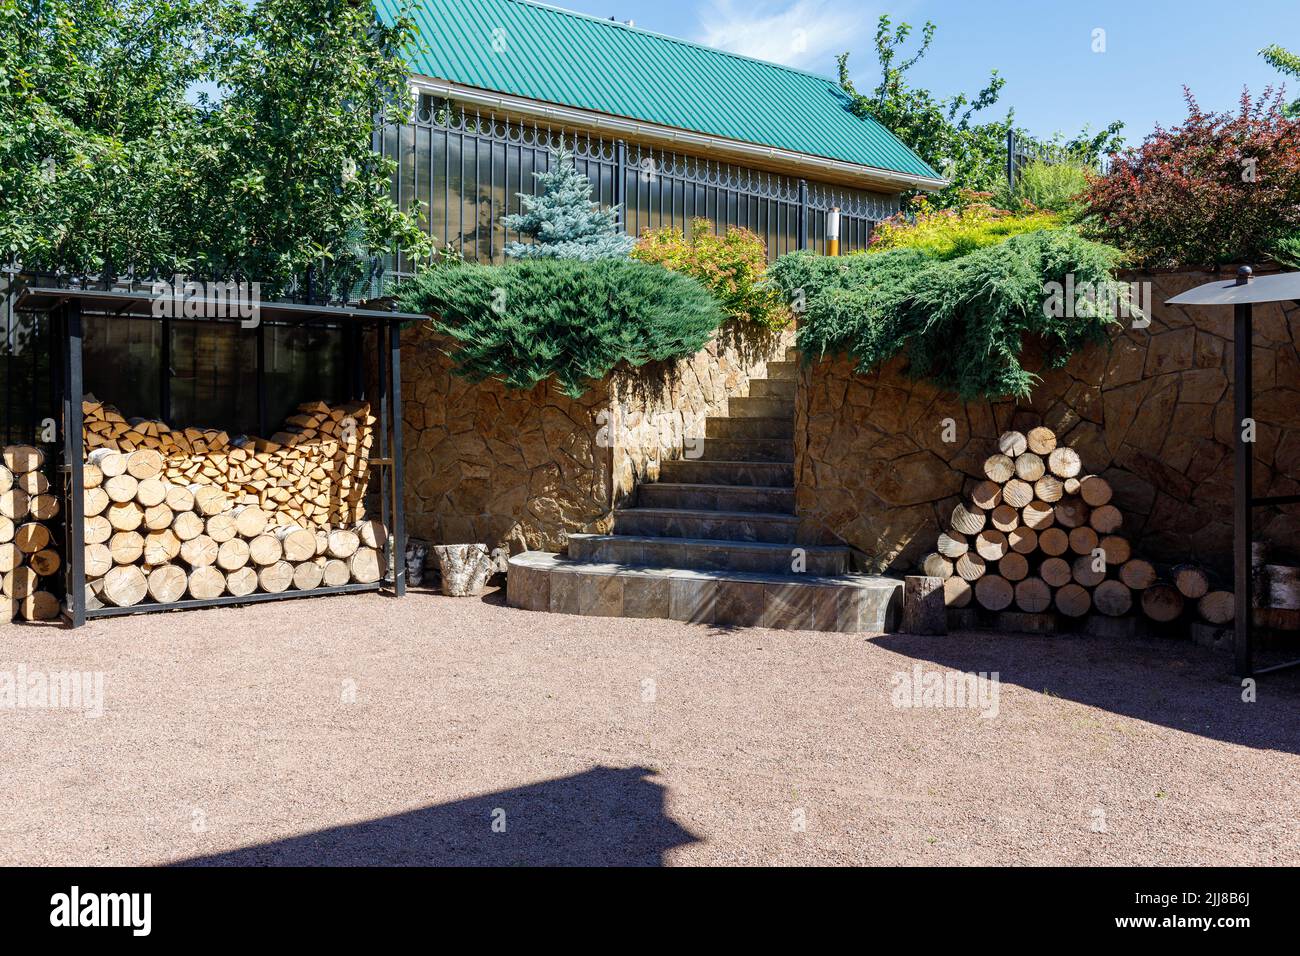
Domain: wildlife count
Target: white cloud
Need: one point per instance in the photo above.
(797, 33)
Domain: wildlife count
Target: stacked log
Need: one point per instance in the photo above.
(313, 472)
(171, 541)
(29, 559)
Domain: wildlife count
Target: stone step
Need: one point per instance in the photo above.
(785, 371)
(749, 428)
(745, 407)
(772, 388)
(792, 354)
(673, 494)
(850, 603)
(699, 471)
(748, 449)
(706, 554)
(706, 523)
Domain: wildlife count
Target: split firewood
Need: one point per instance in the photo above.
(298, 544)
(150, 492)
(108, 461)
(250, 521)
(222, 527)
(179, 498)
(373, 534)
(188, 525)
(125, 516)
(144, 463)
(157, 517)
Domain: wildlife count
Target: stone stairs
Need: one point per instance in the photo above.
(714, 540)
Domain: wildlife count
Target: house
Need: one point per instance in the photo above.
(669, 130)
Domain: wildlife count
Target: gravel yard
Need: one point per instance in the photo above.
(366, 730)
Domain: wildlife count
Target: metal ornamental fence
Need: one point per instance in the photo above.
(463, 171)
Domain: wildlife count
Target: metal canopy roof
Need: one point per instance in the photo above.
(1281, 287)
(556, 56)
(140, 304)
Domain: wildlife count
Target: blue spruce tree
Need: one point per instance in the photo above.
(563, 221)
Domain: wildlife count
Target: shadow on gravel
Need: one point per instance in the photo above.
(605, 816)
(1177, 685)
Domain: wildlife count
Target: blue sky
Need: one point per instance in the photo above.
(1044, 49)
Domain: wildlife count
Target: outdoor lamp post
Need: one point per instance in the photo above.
(1242, 293)
(833, 231)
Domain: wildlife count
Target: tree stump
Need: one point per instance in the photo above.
(924, 611)
(465, 568)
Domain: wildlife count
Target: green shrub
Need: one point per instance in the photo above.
(1055, 187)
(731, 266)
(533, 320)
(949, 233)
(961, 323)
(1287, 251)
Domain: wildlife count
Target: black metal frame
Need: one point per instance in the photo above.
(66, 307)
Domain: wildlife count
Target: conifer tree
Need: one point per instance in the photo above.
(563, 222)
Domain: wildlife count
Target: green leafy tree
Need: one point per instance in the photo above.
(948, 133)
(109, 160)
(563, 221)
(1287, 63)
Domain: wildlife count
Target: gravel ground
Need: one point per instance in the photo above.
(362, 729)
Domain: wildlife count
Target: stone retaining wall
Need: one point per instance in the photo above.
(1151, 412)
(518, 469)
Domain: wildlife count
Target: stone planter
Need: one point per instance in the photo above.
(465, 568)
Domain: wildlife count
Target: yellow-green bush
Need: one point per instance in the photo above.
(949, 233)
(731, 266)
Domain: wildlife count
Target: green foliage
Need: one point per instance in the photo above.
(107, 160)
(563, 221)
(961, 323)
(949, 233)
(1287, 251)
(529, 321)
(731, 266)
(1056, 186)
(1285, 62)
(947, 132)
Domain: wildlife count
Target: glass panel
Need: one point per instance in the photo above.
(214, 376)
(304, 363)
(121, 361)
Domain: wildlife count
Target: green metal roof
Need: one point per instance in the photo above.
(557, 56)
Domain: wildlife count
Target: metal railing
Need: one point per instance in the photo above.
(462, 172)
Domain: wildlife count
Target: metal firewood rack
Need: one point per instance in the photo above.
(64, 309)
(1243, 293)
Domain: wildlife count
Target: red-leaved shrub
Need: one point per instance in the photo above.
(1220, 188)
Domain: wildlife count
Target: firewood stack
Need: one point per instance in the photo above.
(1039, 534)
(28, 556)
(312, 473)
(152, 539)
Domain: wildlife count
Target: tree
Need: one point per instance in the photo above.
(1286, 62)
(108, 160)
(947, 133)
(563, 221)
